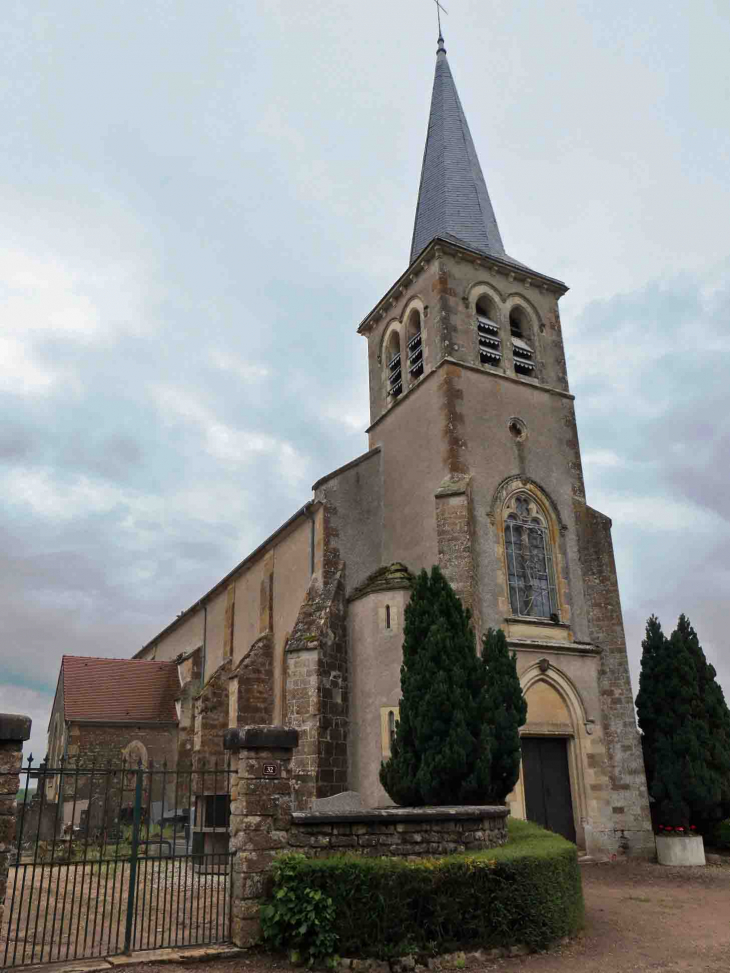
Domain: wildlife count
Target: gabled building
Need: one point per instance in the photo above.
(473, 463)
(108, 712)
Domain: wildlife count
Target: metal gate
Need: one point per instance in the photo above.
(113, 859)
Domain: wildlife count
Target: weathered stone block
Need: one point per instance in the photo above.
(245, 932)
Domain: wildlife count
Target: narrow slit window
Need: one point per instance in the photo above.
(387, 616)
(388, 722)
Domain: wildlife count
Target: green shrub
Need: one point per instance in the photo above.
(528, 892)
(298, 918)
(721, 835)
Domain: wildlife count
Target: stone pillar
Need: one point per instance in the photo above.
(454, 532)
(261, 806)
(14, 730)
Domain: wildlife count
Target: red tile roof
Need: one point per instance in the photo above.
(119, 690)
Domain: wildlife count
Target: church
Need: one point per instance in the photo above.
(473, 464)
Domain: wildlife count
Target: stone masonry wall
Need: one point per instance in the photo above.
(317, 688)
(211, 722)
(190, 671)
(263, 824)
(14, 730)
(625, 784)
(399, 833)
(454, 530)
(97, 745)
(251, 687)
(261, 803)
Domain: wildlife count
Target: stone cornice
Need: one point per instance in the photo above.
(436, 249)
(473, 368)
(556, 646)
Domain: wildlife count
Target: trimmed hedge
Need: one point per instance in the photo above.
(526, 893)
(720, 837)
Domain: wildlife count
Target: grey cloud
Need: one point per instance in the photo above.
(668, 424)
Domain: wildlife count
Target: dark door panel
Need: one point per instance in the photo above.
(547, 784)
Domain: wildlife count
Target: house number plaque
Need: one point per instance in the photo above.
(270, 769)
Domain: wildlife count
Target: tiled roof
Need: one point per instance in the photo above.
(119, 690)
(453, 200)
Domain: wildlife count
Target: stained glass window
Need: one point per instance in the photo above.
(529, 562)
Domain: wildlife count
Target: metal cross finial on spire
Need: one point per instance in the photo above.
(439, 8)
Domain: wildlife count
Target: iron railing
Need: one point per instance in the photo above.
(114, 859)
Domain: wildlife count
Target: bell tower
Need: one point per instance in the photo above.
(474, 421)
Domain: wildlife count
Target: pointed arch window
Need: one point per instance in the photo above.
(530, 569)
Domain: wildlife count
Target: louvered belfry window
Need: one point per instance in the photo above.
(393, 362)
(530, 571)
(415, 356)
(490, 345)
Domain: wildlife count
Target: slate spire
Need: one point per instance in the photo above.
(453, 201)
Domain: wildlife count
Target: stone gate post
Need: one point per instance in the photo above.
(261, 805)
(14, 731)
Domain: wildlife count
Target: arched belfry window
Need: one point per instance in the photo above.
(490, 343)
(522, 352)
(415, 345)
(393, 365)
(530, 570)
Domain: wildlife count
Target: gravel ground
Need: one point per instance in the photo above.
(640, 917)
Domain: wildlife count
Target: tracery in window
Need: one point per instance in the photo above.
(530, 570)
(490, 344)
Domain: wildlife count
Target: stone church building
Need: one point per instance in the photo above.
(473, 463)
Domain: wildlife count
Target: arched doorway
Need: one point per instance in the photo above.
(549, 791)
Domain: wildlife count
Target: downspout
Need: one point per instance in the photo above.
(311, 542)
(205, 645)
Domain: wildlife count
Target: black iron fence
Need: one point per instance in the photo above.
(113, 859)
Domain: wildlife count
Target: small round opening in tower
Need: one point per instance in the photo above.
(518, 430)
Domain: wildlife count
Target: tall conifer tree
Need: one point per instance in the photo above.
(454, 742)
(686, 728)
(503, 712)
(650, 702)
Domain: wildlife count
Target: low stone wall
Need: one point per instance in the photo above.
(399, 832)
(263, 825)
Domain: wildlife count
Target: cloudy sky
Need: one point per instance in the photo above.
(200, 201)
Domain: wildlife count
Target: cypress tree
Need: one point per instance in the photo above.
(454, 741)
(716, 738)
(650, 692)
(686, 728)
(503, 712)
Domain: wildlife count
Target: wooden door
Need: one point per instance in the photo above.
(546, 777)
